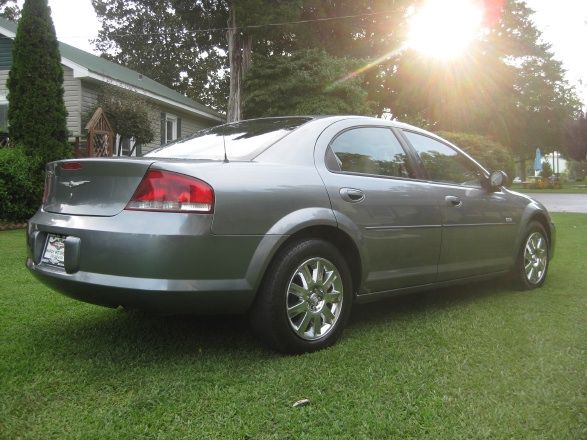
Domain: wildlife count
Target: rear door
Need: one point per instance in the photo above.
(478, 224)
(369, 178)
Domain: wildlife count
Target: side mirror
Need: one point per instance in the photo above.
(497, 179)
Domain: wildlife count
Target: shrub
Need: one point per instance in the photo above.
(546, 170)
(21, 185)
(489, 153)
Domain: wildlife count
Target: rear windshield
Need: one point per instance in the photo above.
(244, 140)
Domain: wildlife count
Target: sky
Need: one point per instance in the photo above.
(563, 24)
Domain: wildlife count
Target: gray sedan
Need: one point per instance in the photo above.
(289, 219)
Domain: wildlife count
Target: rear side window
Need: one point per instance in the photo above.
(243, 140)
(368, 150)
(443, 163)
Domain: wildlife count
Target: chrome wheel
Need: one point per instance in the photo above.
(535, 257)
(314, 298)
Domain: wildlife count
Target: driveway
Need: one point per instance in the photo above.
(562, 202)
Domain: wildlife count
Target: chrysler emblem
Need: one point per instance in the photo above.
(72, 183)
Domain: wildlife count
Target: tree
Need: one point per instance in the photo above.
(162, 40)
(575, 138)
(309, 83)
(200, 48)
(9, 9)
(36, 110)
(508, 86)
(127, 112)
(489, 153)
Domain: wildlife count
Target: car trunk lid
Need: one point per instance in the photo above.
(97, 187)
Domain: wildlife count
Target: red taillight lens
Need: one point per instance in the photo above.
(172, 192)
(47, 188)
(71, 166)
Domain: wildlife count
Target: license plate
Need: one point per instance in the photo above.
(54, 250)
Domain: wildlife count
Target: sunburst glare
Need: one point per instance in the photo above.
(444, 29)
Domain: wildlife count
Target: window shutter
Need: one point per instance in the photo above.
(163, 128)
(178, 128)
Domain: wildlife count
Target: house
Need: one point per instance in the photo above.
(173, 115)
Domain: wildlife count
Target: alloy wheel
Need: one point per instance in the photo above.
(535, 258)
(314, 298)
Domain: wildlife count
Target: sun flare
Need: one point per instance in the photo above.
(444, 29)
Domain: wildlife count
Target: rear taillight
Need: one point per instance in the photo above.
(47, 188)
(172, 192)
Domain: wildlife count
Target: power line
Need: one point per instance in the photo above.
(257, 26)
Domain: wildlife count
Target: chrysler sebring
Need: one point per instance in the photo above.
(290, 220)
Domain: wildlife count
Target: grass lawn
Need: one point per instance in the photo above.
(481, 361)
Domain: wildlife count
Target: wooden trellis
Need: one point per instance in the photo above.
(100, 135)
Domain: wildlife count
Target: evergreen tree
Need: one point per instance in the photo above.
(36, 110)
(309, 83)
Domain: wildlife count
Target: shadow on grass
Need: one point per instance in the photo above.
(106, 335)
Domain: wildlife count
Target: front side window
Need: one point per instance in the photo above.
(444, 164)
(368, 150)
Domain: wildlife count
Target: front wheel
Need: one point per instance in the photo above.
(305, 298)
(532, 263)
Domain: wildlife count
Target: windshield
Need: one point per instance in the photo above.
(243, 140)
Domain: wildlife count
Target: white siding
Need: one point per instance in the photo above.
(3, 79)
(72, 98)
(189, 124)
(89, 103)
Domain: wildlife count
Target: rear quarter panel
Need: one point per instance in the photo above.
(253, 198)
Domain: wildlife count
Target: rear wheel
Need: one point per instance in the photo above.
(532, 264)
(305, 299)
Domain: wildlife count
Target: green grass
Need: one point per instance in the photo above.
(481, 361)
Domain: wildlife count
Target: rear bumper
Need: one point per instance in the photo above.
(155, 295)
(166, 263)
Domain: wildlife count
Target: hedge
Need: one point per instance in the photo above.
(21, 185)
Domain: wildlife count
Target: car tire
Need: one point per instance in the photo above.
(305, 298)
(533, 258)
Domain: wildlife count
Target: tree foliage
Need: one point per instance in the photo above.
(489, 153)
(160, 39)
(575, 138)
(9, 9)
(36, 110)
(127, 112)
(509, 86)
(309, 84)
(21, 185)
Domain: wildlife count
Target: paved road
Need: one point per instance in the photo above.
(562, 202)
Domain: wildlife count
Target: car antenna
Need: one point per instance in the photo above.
(224, 143)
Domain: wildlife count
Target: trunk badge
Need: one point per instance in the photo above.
(73, 184)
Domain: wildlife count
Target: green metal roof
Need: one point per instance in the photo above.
(116, 72)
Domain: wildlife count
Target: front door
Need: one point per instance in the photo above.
(479, 226)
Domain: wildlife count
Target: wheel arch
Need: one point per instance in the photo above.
(536, 213)
(320, 225)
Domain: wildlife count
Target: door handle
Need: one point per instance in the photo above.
(352, 195)
(453, 201)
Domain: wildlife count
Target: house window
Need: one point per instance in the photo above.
(170, 128)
